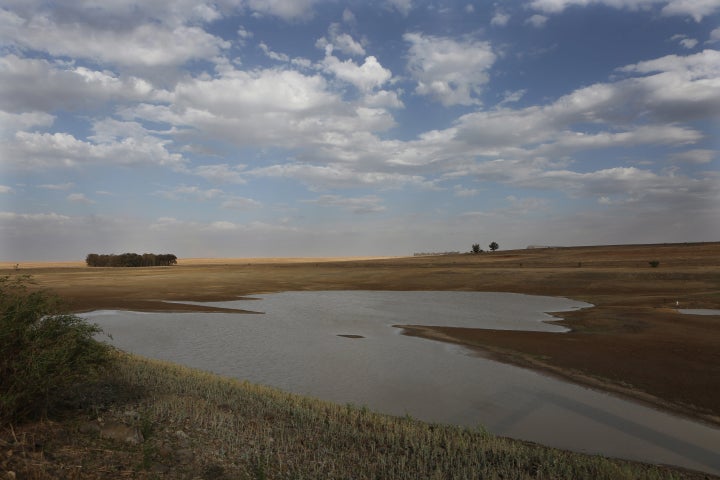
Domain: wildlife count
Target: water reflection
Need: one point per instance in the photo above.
(698, 311)
(296, 346)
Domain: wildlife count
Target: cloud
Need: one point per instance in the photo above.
(39, 217)
(512, 96)
(286, 9)
(244, 35)
(448, 70)
(680, 87)
(644, 190)
(500, 19)
(537, 21)
(5, 189)
(280, 57)
(645, 109)
(714, 36)
(39, 85)
(270, 107)
(366, 77)
(383, 99)
(348, 16)
(221, 173)
(340, 176)
(10, 123)
(645, 135)
(38, 151)
(696, 156)
(697, 9)
(79, 198)
(684, 41)
(513, 207)
(57, 186)
(143, 44)
(670, 90)
(402, 6)
(357, 205)
(340, 41)
(191, 192)
(460, 191)
(240, 203)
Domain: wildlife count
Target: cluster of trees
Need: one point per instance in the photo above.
(476, 247)
(131, 260)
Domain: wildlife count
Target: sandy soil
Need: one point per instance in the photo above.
(632, 342)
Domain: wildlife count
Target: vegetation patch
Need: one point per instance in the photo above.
(43, 353)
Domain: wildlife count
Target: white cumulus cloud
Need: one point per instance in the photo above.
(449, 70)
(365, 77)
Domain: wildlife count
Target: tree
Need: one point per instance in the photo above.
(43, 352)
(476, 248)
(92, 260)
(493, 246)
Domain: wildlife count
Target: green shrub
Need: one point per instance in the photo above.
(43, 352)
(654, 263)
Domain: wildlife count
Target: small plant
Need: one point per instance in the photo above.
(476, 248)
(654, 263)
(43, 353)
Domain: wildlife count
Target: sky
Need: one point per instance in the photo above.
(253, 128)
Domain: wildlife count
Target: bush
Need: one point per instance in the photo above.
(43, 353)
(654, 263)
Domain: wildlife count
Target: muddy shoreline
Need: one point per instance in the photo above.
(535, 363)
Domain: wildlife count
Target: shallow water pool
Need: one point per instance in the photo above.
(341, 346)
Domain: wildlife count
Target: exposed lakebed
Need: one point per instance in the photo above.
(341, 346)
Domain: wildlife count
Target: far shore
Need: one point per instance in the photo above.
(200, 261)
(633, 342)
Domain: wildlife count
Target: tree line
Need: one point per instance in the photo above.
(130, 260)
(476, 247)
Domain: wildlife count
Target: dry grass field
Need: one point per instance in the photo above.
(632, 341)
(150, 420)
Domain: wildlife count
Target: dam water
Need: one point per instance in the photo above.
(342, 346)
